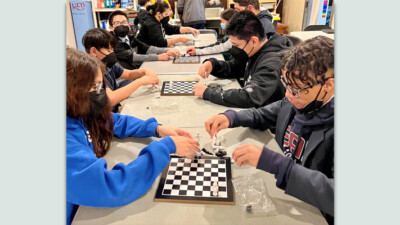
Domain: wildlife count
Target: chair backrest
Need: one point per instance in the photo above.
(316, 27)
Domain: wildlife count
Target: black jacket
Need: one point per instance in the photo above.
(151, 31)
(261, 75)
(124, 52)
(312, 181)
(140, 17)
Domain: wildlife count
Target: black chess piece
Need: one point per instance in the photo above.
(248, 208)
(220, 153)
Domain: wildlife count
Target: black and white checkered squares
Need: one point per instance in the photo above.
(187, 177)
(178, 87)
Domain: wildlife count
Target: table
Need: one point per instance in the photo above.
(189, 113)
(167, 67)
(304, 35)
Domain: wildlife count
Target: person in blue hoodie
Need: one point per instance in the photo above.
(304, 123)
(90, 128)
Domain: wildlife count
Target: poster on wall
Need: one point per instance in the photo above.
(82, 18)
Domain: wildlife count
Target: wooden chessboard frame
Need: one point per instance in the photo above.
(175, 60)
(198, 200)
(177, 94)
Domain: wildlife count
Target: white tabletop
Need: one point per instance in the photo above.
(304, 35)
(189, 113)
(167, 67)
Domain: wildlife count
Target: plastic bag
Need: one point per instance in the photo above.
(252, 196)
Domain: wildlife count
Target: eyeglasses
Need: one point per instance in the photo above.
(98, 87)
(117, 23)
(294, 91)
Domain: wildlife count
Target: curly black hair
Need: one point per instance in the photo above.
(309, 61)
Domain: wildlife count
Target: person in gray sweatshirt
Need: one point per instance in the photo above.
(192, 13)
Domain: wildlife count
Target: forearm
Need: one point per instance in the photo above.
(120, 94)
(135, 74)
(224, 47)
(185, 29)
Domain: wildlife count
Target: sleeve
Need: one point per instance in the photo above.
(124, 55)
(261, 118)
(156, 50)
(128, 126)
(171, 29)
(227, 69)
(143, 58)
(313, 187)
(90, 183)
(153, 34)
(215, 48)
(118, 69)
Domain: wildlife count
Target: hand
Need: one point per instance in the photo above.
(205, 69)
(164, 131)
(163, 57)
(195, 32)
(183, 39)
(191, 51)
(247, 154)
(216, 123)
(185, 146)
(199, 89)
(150, 72)
(174, 53)
(148, 79)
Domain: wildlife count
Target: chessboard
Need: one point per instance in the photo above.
(191, 181)
(177, 88)
(187, 60)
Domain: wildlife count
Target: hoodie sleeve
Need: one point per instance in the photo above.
(214, 49)
(257, 91)
(227, 69)
(90, 183)
(261, 118)
(128, 126)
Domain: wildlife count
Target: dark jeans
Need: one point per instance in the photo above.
(197, 26)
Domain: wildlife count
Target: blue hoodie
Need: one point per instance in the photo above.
(89, 183)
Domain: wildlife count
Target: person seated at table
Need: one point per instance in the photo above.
(90, 129)
(254, 57)
(142, 12)
(155, 26)
(264, 16)
(120, 82)
(222, 46)
(130, 52)
(304, 123)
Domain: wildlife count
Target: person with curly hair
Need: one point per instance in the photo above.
(90, 129)
(304, 127)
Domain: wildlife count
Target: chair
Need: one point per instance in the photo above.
(317, 27)
(295, 40)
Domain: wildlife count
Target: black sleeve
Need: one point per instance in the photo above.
(171, 29)
(152, 35)
(227, 69)
(122, 53)
(142, 47)
(256, 92)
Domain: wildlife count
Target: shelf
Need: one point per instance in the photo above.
(113, 9)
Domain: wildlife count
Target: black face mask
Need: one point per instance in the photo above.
(239, 54)
(98, 102)
(121, 31)
(164, 20)
(313, 105)
(110, 59)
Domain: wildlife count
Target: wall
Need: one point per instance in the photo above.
(293, 11)
(69, 31)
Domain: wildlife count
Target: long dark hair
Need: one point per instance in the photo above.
(311, 59)
(82, 69)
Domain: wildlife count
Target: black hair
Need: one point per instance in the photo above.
(227, 14)
(244, 25)
(143, 2)
(246, 3)
(98, 38)
(310, 59)
(115, 13)
(158, 6)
